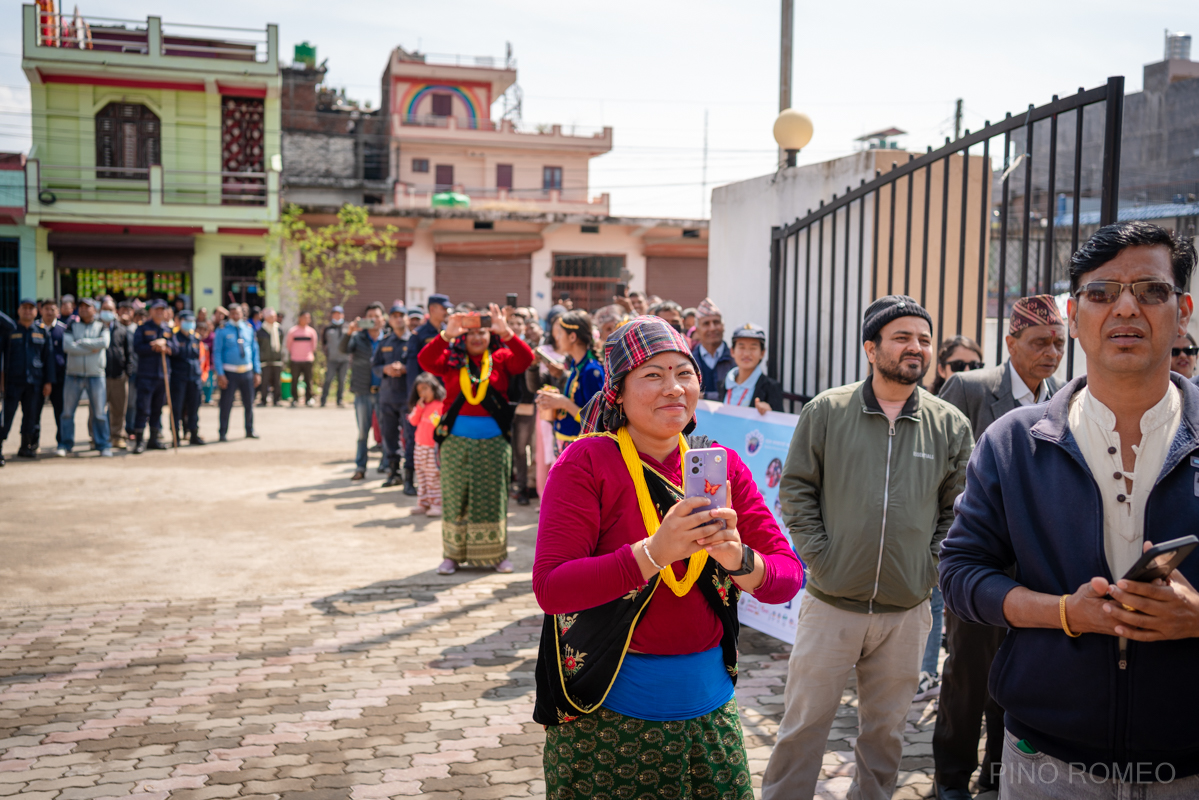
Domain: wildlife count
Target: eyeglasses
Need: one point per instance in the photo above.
(1185, 351)
(1147, 293)
(958, 365)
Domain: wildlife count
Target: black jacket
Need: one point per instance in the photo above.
(358, 348)
(120, 352)
(770, 391)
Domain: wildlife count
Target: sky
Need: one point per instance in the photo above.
(653, 69)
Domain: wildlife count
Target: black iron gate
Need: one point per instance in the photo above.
(932, 226)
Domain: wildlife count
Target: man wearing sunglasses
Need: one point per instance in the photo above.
(1183, 356)
(1060, 501)
(1036, 341)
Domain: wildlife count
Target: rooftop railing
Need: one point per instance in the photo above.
(115, 35)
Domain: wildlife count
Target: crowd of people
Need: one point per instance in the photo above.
(979, 510)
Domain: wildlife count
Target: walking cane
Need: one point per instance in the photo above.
(170, 406)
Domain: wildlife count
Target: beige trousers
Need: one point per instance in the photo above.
(885, 650)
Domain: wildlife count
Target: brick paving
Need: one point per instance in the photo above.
(393, 689)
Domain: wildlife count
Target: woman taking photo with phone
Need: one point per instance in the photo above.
(475, 364)
(638, 654)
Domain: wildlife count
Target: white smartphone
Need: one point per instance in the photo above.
(706, 474)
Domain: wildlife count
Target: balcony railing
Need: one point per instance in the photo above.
(456, 60)
(499, 125)
(114, 35)
(536, 200)
(462, 123)
(138, 185)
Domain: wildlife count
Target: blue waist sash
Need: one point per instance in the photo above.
(664, 688)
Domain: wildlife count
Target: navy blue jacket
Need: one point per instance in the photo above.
(1032, 502)
(712, 379)
(29, 357)
(149, 363)
(55, 333)
(391, 349)
(185, 361)
(7, 328)
(416, 342)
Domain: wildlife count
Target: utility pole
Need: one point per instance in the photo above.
(703, 199)
(957, 120)
(788, 26)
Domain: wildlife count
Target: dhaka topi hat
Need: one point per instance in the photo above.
(1040, 309)
(888, 309)
(751, 331)
(629, 346)
(707, 309)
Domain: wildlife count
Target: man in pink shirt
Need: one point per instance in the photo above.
(301, 352)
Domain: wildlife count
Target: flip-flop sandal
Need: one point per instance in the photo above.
(448, 567)
(504, 566)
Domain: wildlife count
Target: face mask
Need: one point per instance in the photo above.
(188, 325)
(107, 316)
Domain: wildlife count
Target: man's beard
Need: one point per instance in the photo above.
(896, 372)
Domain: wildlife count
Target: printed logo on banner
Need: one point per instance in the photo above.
(753, 442)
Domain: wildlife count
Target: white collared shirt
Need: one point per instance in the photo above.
(1094, 427)
(1020, 391)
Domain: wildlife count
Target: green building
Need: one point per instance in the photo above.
(155, 163)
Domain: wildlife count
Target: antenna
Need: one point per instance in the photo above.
(514, 97)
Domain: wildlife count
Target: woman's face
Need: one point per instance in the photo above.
(659, 397)
(959, 354)
(562, 339)
(477, 341)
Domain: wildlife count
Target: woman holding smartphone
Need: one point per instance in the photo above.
(639, 592)
(475, 364)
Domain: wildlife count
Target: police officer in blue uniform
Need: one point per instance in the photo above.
(388, 365)
(54, 329)
(185, 378)
(152, 339)
(29, 373)
(439, 308)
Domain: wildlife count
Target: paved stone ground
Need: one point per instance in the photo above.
(162, 683)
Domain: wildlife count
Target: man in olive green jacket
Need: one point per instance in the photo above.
(867, 493)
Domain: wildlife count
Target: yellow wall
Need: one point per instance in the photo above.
(206, 264)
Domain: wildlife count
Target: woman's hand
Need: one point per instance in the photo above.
(453, 326)
(499, 323)
(762, 406)
(552, 400)
(677, 536)
(724, 545)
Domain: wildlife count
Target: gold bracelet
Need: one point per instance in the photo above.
(444, 337)
(1061, 607)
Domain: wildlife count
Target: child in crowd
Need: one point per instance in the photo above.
(207, 373)
(426, 403)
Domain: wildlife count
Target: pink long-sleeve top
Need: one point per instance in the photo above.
(589, 522)
(301, 343)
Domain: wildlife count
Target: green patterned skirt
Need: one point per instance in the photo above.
(474, 499)
(608, 755)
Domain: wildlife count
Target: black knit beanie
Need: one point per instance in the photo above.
(886, 309)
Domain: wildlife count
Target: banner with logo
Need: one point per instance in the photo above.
(762, 441)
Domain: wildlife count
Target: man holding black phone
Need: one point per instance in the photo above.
(439, 306)
(1070, 494)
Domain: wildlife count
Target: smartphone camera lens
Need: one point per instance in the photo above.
(695, 470)
(694, 459)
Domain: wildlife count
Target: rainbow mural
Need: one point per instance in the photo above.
(417, 92)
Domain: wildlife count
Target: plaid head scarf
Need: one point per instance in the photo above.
(629, 346)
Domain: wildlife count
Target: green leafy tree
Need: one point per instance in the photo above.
(320, 264)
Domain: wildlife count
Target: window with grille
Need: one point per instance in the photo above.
(243, 154)
(128, 140)
(551, 178)
(589, 279)
(420, 165)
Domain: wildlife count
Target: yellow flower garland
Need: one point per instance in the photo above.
(649, 514)
(484, 380)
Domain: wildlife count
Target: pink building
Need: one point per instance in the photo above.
(487, 207)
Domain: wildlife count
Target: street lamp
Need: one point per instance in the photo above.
(792, 131)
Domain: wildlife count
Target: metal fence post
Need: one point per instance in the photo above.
(1113, 129)
(776, 269)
